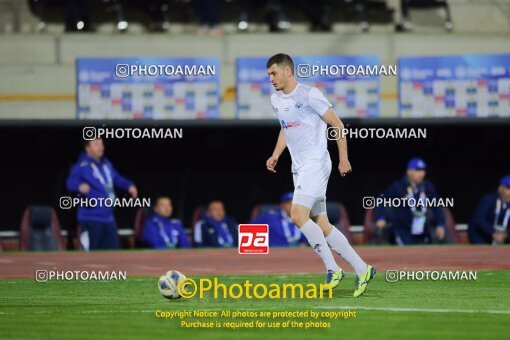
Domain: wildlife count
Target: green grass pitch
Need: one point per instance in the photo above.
(126, 309)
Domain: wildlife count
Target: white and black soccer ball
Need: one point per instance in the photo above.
(168, 284)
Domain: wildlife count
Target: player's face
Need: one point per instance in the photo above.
(416, 176)
(216, 211)
(278, 76)
(504, 192)
(95, 148)
(164, 207)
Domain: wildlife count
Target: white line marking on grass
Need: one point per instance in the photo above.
(414, 310)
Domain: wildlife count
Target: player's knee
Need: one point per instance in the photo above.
(298, 218)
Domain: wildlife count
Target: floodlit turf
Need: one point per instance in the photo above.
(126, 309)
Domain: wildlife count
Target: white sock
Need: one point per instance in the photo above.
(339, 243)
(317, 241)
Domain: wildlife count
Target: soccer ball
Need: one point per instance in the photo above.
(167, 284)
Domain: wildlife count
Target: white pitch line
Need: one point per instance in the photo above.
(411, 310)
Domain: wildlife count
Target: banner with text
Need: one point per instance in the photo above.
(147, 88)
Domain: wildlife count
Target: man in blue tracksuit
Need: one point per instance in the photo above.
(490, 222)
(160, 231)
(282, 232)
(412, 225)
(216, 229)
(93, 176)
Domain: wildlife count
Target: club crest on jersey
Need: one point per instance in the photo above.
(288, 125)
(298, 105)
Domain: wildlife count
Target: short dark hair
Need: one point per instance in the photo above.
(162, 197)
(281, 59)
(211, 202)
(87, 142)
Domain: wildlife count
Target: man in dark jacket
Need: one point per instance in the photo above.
(94, 177)
(160, 231)
(282, 232)
(216, 229)
(412, 224)
(489, 223)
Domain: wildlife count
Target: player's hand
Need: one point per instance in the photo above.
(440, 233)
(84, 188)
(271, 163)
(133, 191)
(381, 224)
(344, 167)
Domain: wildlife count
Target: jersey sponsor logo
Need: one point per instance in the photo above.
(253, 239)
(288, 125)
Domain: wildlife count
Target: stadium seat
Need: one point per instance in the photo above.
(76, 242)
(40, 229)
(140, 217)
(361, 9)
(370, 234)
(198, 214)
(452, 235)
(368, 224)
(407, 5)
(47, 10)
(339, 217)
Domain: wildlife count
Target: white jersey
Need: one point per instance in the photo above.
(299, 113)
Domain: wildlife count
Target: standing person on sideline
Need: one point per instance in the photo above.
(304, 114)
(93, 176)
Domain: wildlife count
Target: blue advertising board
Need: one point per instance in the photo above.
(147, 88)
(454, 86)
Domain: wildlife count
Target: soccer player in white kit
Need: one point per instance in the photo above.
(304, 114)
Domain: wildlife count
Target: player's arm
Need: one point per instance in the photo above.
(332, 119)
(278, 150)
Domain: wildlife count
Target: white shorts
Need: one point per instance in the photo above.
(310, 185)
